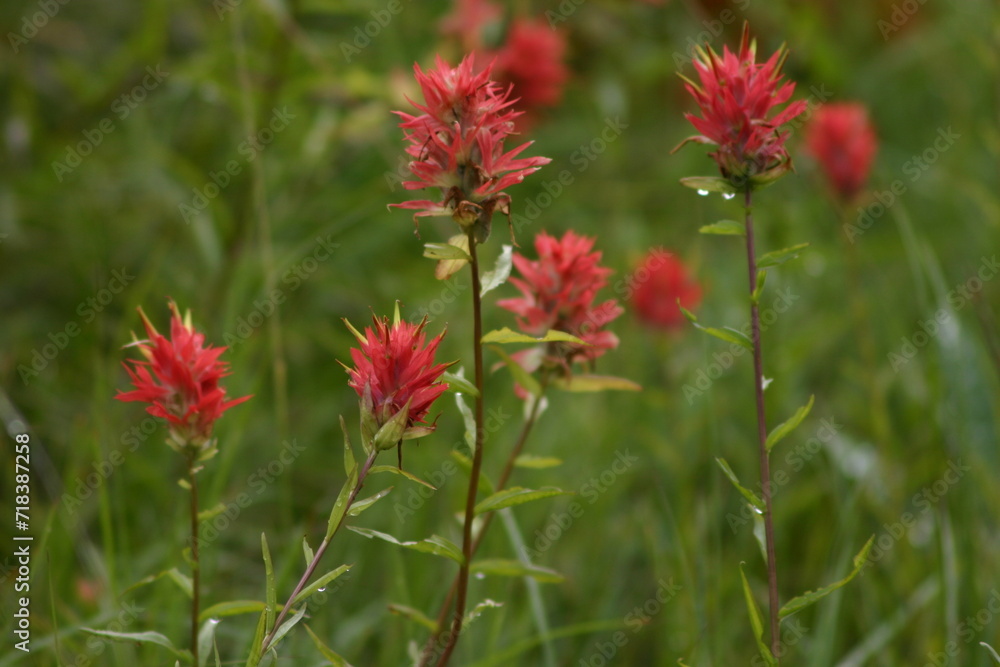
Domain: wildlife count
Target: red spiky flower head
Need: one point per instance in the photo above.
(660, 281)
(180, 380)
(842, 140)
(457, 145)
(558, 292)
(395, 377)
(736, 97)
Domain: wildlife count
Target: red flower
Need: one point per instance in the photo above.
(532, 61)
(558, 291)
(657, 284)
(394, 371)
(842, 140)
(183, 387)
(457, 143)
(735, 97)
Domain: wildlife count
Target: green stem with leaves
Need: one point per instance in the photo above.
(195, 563)
(765, 465)
(314, 563)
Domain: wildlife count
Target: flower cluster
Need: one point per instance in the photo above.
(395, 377)
(660, 281)
(180, 380)
(457, 144)
(736, 97)
(842, 140)
(558, 292)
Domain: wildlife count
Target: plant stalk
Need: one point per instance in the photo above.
(765, 464)
(195, 563)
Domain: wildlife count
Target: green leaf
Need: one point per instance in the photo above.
(709, 184)
(799, 603)
(780, 256)
(307, 551)
(514, 568)
(506, 335)
(725, 227)
(322, 582)
(271, 588)
(465, 463)
(521, 376)
(435, 544)
(469, 420)
(211, 513)
(349, 462)
(459, 384)
(360, 506)
(399, 471)
(756, 621)
(747, 493)
(478, 610)
(328, 653)
(726, 333)
(786, 427)
(446, 268)
(516, 495)
(590, 383)
(182, 580)
(501, 271)
(536, 462)
(391, 432)
(340, 506)
(414, 615)
(258, 640)
(287, 626)
(206, 639)
(445, 251)
(759, 289)
(232, 608)
(142, 638)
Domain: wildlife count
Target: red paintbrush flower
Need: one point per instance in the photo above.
(395, 376)
(558, 291)
(457, 144)
(842, 140)
(735, 98)
(656, 286)
(532, 61)
(180, 380)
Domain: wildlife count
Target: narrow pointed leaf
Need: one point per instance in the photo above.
(258, 640)
(182, 580)
(399, 471)
(725, 228)
(287, 626)
(514, 568)
(322, 582)
(536, 462)
(501, 271)
(747, 493)
(445, 251)
(307, 551)
(516, 495)
(801, 602)
(458, 384)
(414, 615)
(469, 420)
(759, 289)
(756, 621)
(211, 513)
(780, 256)
(506, 335)
(349, 462)
(726, 333)
(590, 383)
(231, 608)
(340, 506)
(328, 653)
(709, 184)
(206, 639)
(270, 588)
(435, 544)
(786, 427)
(142, 638)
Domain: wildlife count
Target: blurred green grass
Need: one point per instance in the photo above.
(324, 176)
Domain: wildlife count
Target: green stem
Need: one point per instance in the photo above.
(195, 563)
(477, 458)
(311, 568)
(765, 464)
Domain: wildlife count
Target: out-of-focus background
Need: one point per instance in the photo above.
(238, 156)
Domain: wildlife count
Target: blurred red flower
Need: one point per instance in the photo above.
(842, 140)
(457, 143)
(558, 292)
(532, 60)
(183, 387)
(735, 97)
(394, 370)
(658, 282)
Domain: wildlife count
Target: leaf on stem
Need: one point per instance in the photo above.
(516, 495)
(759, 289)
(414, 615)
(502, 567)
(307, 551)
(799, 603)
(777, 257)
(232, 608)
(270, 587)
(446, 251)
(709, 184)
(435, 544)
(507, 335)
(142, 638)
(320, 583)
(589, 383)
(399, 471)
(751, 497)
(786, 427)
(520, 375)
(459, 384)
(182, 580)
(725, 228)
(286, 627)
(328, 653)
(726, 333)
(446, 268)
(756, 621)
(536, 462)
(360, 506)
(258, 640)
(501, 271)
(206, 639)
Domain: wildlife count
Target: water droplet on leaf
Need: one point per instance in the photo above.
(480, 575)
(321, 590)
(728, 195)
(703, 193)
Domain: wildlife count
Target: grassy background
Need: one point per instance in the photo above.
(324, 175)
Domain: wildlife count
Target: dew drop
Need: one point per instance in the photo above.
(757, 510)
(480, 575)
(321, 590)
(213, 621)
(703, 193)
(728, 195)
